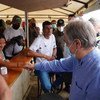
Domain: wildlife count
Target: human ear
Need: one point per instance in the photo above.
(78, 44)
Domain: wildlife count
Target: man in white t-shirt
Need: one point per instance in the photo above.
(12, 32)
(45, 47)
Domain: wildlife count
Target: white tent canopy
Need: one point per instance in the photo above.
(42, 9)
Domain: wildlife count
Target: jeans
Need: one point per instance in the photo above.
(45, 80)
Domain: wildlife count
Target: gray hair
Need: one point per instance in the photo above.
(82, 30)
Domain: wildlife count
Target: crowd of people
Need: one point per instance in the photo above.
(70, 52)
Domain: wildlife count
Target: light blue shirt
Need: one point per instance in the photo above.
(86, 74)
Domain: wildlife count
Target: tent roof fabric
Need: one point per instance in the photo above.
(34, 5)
(42, 9)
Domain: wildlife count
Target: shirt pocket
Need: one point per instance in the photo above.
(79, 93)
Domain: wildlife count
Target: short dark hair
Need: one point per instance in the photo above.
(2, 36)
(46, 23)
(71, 15)
(2, 23)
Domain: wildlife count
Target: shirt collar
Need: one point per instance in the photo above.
(88, 56)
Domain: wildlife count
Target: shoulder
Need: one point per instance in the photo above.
(37, 40)
(39, 37)
(21, 30)
(8, 30)
(52, 36)
(96, 53)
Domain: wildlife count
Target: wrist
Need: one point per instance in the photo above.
(45, 56)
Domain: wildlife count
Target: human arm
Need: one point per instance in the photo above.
(5, 92)
(54, 54)
(31, 53)
(62, 65)
(10, 64)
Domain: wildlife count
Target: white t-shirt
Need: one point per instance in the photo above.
(9, 33)
(43, 46)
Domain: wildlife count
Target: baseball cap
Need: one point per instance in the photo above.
(60, 22)
(17, 19)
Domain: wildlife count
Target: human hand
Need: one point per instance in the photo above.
(50, 58)
(54, 56)
(29, 53)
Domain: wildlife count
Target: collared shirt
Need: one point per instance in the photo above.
(86, 74)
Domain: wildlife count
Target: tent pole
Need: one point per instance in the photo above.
(26, 29)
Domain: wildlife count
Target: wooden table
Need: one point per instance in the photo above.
(18, 78)
(13, 73)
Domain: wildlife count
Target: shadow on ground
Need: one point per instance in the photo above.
(32, 91)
